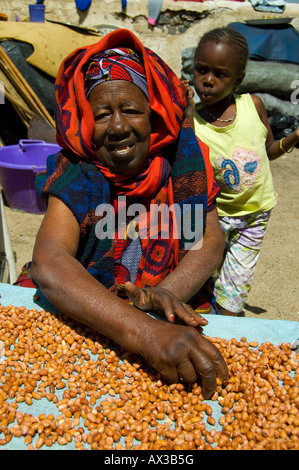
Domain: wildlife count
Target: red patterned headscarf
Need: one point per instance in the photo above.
(115, 64)
(74, 118)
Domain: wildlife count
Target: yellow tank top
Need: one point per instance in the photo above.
(240, 162)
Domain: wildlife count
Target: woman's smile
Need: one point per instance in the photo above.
(121, 149)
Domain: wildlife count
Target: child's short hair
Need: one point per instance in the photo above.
(231, 37)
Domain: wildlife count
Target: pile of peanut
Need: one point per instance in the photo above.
(106, 399)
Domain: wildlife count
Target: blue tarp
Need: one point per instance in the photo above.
(274, 6)
(261, 330)
(271, 41)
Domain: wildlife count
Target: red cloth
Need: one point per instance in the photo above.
(75, 122)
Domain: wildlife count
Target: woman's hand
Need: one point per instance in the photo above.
(182, 353)
(178, 352)
(159, 300)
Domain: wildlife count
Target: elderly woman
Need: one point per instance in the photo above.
(119, 116)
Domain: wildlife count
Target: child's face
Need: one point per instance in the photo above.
(216, 72)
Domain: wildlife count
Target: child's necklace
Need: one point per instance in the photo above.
(217, 119)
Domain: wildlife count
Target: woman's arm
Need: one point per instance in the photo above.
(275, 148)
(176, 351)
(67, 284)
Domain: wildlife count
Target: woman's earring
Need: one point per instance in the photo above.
(93, 146)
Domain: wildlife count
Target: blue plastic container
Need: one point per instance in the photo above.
(19, 165)
(37, 13)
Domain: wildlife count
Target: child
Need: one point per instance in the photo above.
(241, 142)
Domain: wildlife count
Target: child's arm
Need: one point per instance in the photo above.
(190, 106)
(275, 148)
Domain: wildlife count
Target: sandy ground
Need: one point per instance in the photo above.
(274, 294)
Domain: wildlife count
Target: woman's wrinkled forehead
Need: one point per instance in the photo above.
(115, 64)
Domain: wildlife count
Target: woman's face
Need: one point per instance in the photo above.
(122, 126)
(216, 72)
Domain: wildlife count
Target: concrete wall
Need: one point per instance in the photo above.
(180, 24)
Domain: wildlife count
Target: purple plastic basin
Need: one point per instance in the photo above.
(19, 165)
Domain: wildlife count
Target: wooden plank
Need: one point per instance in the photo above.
(22, 88)
(20, 106)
